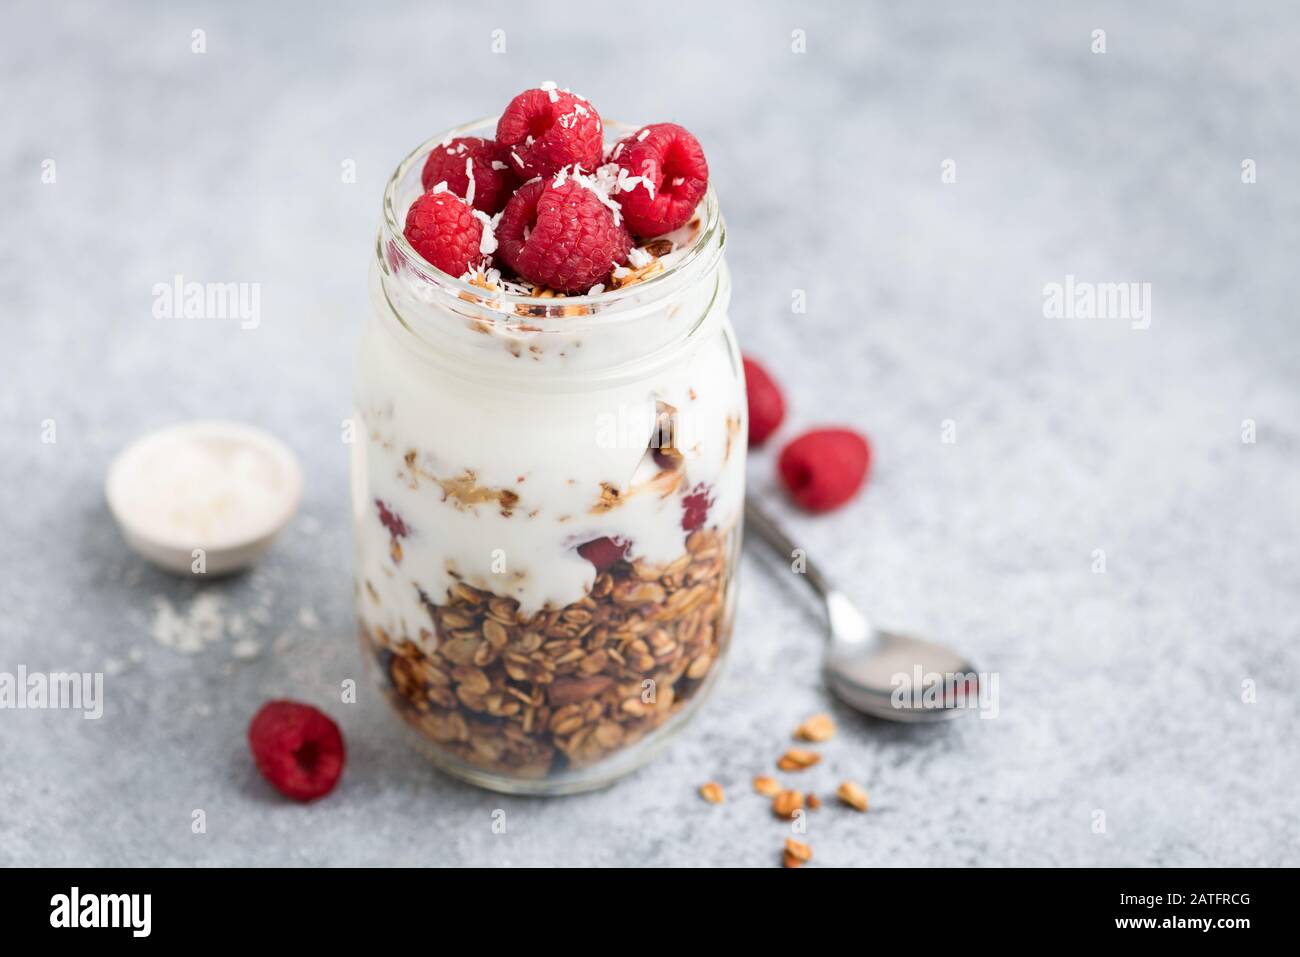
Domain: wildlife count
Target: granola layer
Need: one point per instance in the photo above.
(534, 694)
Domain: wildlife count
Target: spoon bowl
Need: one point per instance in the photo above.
(888, 676)
(878, 672)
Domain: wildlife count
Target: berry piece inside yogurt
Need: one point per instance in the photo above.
(695, 507)
(391, 521)
(604, 552)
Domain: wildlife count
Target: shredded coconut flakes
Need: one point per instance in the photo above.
(601, 183)
(469, 190)
(487, 245)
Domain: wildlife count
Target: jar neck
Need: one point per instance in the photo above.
(517, 354)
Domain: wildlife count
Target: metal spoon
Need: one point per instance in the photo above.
(873, 670)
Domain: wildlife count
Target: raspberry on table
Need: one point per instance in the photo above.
(824, 468)
(674, 176)
(561, 236)
(766, 405)
(443, 229)
(494, 180)
(298, 748)
(546, 129)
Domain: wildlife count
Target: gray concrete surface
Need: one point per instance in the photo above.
(1120, 693)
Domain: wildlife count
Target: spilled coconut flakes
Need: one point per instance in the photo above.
(202, 624)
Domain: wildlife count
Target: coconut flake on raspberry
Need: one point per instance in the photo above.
(469, 176)
(488, 244)
(602, 182)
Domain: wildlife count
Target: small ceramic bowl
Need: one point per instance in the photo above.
(234, 539)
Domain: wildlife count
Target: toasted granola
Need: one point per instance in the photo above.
(712, 792)
(797, 759)
(787, 803)
(816, 729)
(533, 694)
(796, 853)
(852, 795)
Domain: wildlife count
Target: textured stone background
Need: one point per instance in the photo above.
(1119, 692)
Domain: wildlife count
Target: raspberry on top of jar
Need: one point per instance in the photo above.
(545, 209)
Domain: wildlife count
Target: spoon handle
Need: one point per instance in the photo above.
(764, 526)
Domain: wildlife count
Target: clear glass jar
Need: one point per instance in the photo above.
(547, 497)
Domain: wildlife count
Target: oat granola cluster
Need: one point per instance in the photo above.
(791, 804)
(531, 695)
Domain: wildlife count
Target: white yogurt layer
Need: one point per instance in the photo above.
(439, 441)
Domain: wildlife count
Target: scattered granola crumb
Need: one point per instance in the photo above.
(766, 786)
(712, 792)
(818, 728)
(814, 802)
(852, 795)
(786, 803)
(797, 759)
(796, 853)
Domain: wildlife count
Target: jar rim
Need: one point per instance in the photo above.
(700, 257)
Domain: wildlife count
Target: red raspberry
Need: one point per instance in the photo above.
(545, 130)
(766, 406)
(445, 232)
(673, 161)
(695, 507)
(492, 185)
(824, 468)
(297, 748)
(562, 237)
(604, 552)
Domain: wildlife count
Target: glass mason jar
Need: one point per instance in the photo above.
(547, 496)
